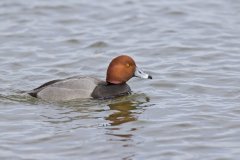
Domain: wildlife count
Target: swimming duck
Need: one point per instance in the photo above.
(120, 70)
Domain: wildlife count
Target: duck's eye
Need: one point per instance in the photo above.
(127, 65)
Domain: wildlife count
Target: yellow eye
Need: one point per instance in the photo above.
(127, 65)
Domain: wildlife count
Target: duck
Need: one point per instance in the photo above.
(121, 69)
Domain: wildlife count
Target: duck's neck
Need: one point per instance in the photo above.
(109, 90)
(109, 83)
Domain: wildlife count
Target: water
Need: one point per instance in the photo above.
(190, 110)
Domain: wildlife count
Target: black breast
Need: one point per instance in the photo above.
(105, 91)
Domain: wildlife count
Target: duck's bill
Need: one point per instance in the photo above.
(139, 73)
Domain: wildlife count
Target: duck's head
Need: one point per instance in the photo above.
(123, 68)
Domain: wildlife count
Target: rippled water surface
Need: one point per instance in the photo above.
(190, 110)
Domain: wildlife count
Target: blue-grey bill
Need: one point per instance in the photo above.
(141, 74)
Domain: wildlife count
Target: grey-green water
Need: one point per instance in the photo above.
(190, 110)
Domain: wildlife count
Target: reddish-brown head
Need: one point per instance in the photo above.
(120, 70)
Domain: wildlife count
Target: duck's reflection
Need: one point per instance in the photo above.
(123, 113)
(126, 110)
(118, 111)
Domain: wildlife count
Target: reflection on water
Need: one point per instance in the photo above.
(116, 111)
(123, 113)
(125, 110)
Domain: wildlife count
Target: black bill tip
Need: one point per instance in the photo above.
(149, 77)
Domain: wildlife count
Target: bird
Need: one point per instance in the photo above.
(120, 70)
